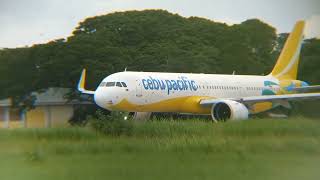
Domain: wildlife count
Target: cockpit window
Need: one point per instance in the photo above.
(123, 84)
(119, 84)
(110, 84)
(102, 84)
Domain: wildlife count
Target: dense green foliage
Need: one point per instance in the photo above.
(150, 40)
(256, 149)
(113, 124)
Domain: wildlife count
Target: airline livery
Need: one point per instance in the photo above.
(225, 97)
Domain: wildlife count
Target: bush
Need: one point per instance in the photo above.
(113, 124)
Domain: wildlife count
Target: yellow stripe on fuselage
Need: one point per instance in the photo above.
(190, 104)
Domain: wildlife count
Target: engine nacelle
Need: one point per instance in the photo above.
(229, 110)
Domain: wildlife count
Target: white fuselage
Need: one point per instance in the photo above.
(171, 92)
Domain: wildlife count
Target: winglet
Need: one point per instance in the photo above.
(81, 83)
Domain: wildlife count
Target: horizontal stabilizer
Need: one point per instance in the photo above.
(306, 89)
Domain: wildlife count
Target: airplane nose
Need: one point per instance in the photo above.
(98, 98)
(101, 99)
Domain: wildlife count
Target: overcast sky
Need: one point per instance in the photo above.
(26, 22)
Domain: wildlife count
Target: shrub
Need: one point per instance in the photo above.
(113, 124)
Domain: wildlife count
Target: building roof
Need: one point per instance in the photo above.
(52, 96)
(5, 102)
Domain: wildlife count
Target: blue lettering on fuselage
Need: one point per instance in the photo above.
(180, 84)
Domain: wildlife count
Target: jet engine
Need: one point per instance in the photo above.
(229, 110)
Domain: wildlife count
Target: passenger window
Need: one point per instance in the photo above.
(110, 84)
(119, 84)
(123, 84)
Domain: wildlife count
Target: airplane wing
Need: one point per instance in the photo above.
(269, 98)
(81, 84)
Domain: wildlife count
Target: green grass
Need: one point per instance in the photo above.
(254, 149)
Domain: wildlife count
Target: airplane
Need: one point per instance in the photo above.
(224, 97)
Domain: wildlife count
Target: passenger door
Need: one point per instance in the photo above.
(139, 88)
(242, 91)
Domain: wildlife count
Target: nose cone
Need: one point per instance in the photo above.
(98, 98)
(101, 99)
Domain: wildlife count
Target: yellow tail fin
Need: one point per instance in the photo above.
(288, 61)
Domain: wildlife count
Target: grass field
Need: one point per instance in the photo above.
(254, 149)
